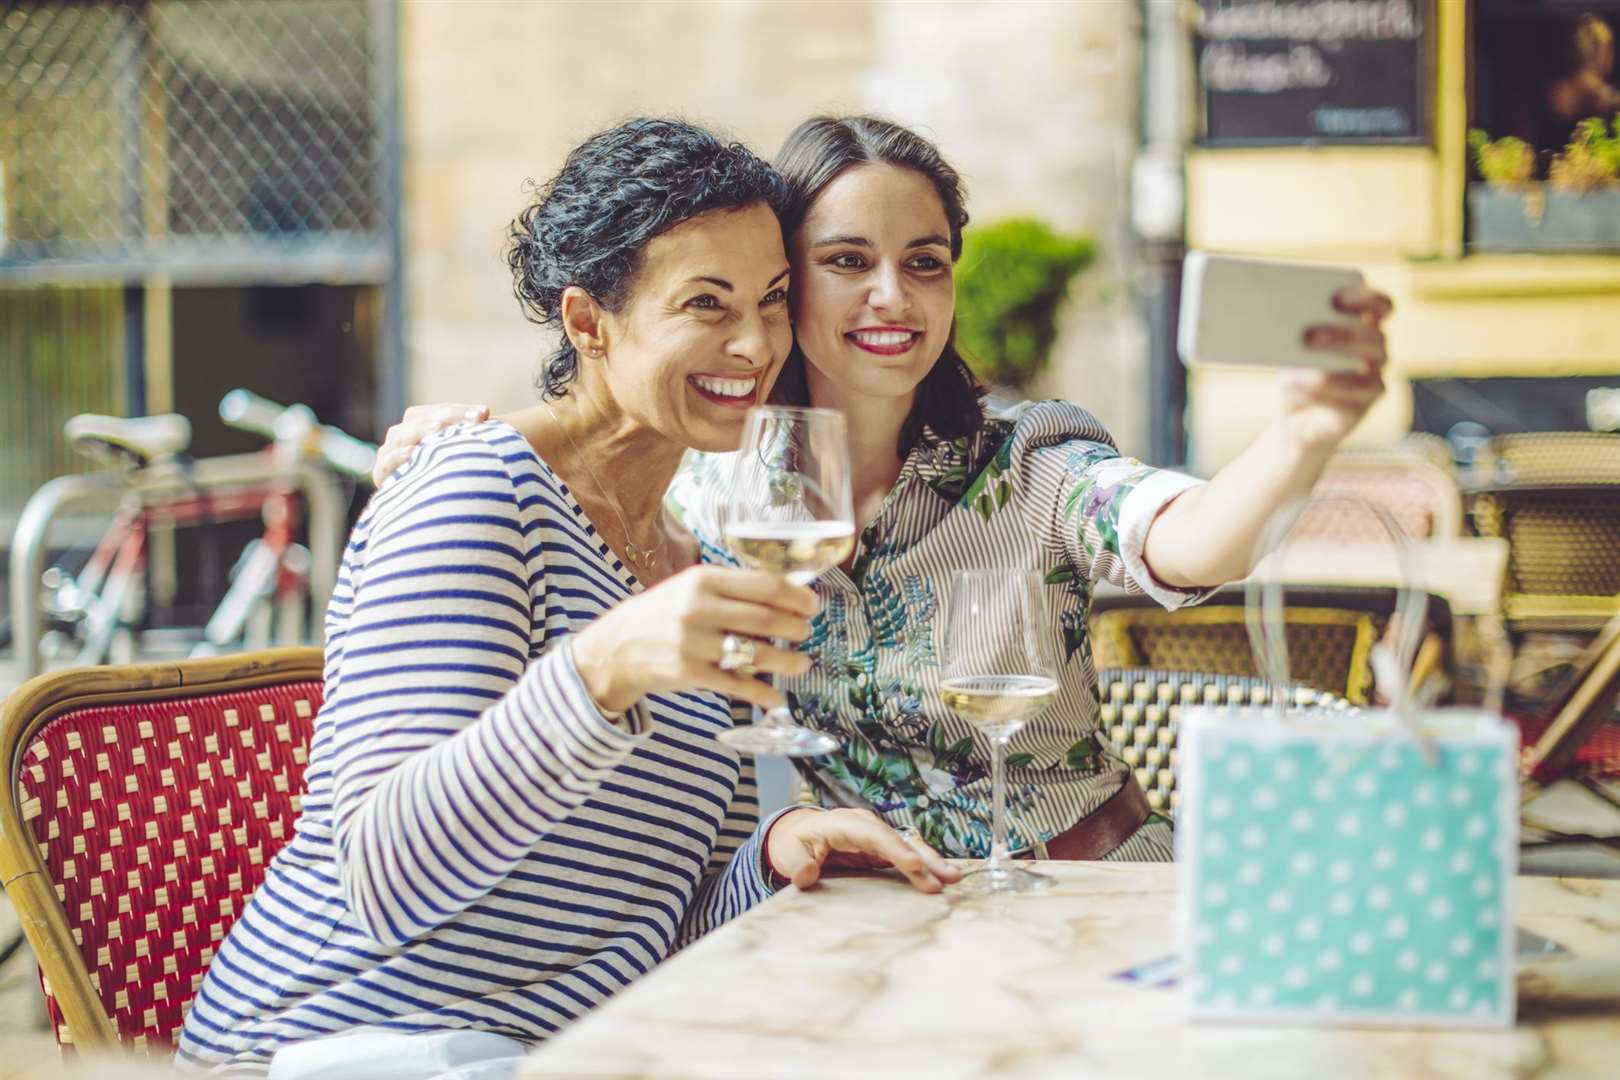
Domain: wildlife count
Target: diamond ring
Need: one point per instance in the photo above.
(737, 653)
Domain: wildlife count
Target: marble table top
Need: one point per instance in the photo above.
(864, 977)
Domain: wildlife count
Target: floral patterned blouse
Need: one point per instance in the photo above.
(1039, 486)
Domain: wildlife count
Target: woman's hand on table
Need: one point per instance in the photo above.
(669, 637)
(418, 423)
(804, 842)
(1325, 406)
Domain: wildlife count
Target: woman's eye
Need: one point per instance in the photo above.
(775, 296)
(847, 261)
(927, 263)
(708, 301)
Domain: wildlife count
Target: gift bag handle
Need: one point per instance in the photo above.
(1263, 605)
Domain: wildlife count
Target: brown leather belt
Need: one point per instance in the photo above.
(1102, 830)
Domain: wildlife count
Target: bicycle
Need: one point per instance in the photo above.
(273, 567)
(98, 612)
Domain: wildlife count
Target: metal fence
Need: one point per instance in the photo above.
(203, 140)
(186, 142)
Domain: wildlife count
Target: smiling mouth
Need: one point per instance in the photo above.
(732, 390)
(884, 342)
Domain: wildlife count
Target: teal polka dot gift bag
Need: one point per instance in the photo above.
(1342, 871)
(1348, 867)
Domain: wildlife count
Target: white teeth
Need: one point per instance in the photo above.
(737, 388)
(883, 337)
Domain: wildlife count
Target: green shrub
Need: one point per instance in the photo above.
(1009, 282)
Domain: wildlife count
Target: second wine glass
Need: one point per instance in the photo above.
(1000, 671)
(789, 509)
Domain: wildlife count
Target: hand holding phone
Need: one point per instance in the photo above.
(1255, 312)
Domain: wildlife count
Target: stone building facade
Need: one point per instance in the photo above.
(1035, 103)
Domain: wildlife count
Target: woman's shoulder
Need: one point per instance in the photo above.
(1035, 424)
(1021, 435)
(487, 461)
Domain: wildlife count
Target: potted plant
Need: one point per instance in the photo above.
(1577, 208)
(1009, 282)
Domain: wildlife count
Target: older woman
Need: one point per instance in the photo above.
(516, 802)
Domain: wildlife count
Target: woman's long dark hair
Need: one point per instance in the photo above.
(817, 153)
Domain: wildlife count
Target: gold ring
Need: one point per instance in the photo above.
(737, 653)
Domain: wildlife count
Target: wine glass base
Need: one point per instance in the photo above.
(790, 741)
(1005, 879)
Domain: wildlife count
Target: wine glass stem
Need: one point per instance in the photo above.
(998, 805)
(781, 716)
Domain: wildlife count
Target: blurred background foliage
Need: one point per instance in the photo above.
(1010, 280)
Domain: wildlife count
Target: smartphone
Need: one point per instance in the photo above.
(1254, 312)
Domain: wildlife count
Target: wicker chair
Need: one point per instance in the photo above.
(1140, 717)
(1330, 634)
(142, 806)
(1555, 497)
(1422, 497)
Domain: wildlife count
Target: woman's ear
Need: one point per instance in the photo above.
(582, 321)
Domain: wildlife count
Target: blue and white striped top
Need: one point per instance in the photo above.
(479, 848)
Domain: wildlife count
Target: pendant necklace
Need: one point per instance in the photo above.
(638, 556)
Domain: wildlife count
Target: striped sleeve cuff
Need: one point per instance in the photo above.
(760, 839)
(1136, 516)
(724, 895)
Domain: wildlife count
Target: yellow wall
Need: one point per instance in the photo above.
(1396, 213)
(1313, 203)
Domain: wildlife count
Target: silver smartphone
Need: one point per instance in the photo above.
(1254, 312)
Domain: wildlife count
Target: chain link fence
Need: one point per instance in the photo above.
(181, 142)
(207, 141)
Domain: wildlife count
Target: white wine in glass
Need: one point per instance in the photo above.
(799, 549)
(1000, 670)
(998, 705)
(789, 510)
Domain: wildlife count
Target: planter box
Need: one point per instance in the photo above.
(1503, 220)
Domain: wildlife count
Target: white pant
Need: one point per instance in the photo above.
(382, 1055)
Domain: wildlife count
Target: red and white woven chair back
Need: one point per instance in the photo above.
(156, 821)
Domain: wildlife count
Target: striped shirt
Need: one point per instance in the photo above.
(479, 847)
(1037, 487)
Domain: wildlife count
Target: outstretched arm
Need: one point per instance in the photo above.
(1207, 535)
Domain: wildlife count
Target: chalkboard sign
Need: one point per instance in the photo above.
(1314, 71)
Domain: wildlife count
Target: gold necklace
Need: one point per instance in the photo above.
(640, 557)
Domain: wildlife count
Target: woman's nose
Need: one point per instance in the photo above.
(888, 293)
(752, 342)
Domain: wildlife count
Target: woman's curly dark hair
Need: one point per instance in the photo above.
(617, 191)
(949, 399)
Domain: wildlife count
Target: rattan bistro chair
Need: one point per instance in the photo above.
(1330, 632)
(1555, 497)
(142, 806)
(1421, 497)
(1139, 717)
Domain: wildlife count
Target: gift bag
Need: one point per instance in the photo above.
(1348, 868)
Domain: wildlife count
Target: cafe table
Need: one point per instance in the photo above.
(863, 977)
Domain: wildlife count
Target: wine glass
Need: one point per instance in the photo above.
(789, 510)
(1000, 670)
